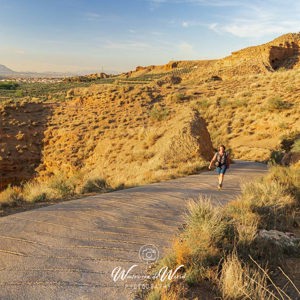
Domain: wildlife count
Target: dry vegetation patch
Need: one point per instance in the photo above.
(225, 246)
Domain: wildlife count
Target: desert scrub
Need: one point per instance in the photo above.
(158, 113)
(198, 254)
(288, 178)
(35, 192)
(61, 185)
(10, 196)
(240, 281)
(95, 185)
(221, 245)
(266, 203)
(202, 103)
(239, 103)
(176, 98)
(277, 103)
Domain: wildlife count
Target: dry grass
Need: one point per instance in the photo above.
(267, 203)
(222, 239)
(238, 281)
(10, 196)
(251, 126)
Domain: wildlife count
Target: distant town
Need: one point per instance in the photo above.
(33, 79)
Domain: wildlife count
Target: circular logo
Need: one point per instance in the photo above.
(149, 253)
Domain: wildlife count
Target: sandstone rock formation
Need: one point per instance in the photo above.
(22, 129)
(282, 52)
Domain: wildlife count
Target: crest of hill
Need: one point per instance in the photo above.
(178, 67)
(282, 52)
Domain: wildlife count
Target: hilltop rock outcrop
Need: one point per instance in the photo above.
(282, 52)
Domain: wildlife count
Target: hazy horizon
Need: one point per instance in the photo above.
(76, 36)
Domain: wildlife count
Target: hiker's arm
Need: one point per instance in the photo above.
(213, 159)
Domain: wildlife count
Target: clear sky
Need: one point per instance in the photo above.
(117, 35)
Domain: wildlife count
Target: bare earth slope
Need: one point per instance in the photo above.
(68, 250)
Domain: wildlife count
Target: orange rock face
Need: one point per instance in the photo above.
(282, 52)
(21, 140)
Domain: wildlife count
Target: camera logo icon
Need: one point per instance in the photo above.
(149, 253)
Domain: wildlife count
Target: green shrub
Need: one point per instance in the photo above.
(239, 103)
(176, 98)
(95, 185)
(62, 186)
(222, 102)
(158, 113)
(277, 103)
(154, 295)
(276, 156)
(19, 93)
(7, 85)
(203, 103)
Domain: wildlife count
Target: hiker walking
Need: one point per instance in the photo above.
(221, 160)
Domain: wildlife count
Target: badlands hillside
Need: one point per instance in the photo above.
(155, 122)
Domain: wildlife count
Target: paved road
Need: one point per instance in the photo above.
(69, 250)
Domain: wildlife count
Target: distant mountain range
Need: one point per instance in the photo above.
(6, 72)
(9, 73)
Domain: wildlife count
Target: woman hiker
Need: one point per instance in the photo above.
(222, 162)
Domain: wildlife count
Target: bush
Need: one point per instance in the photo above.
(61, 186)
(277, 103)
(242, 282)
(154, 295)
(10, 196)
(36, 192)
(95, 185)
(239, 103)
(276, 157)
(231, 231)
(19, 93)
(288, 178)
(159, 113)
(203, 103)
(208, 222)
(289, 140)
(176, 98)
(7, 85)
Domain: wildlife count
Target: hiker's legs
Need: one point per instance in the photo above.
(221, 178)
(221, 172)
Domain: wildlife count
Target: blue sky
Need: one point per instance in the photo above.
(74, 35)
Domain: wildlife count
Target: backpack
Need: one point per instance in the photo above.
(221, 160)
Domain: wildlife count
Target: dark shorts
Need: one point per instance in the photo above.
(221, 170)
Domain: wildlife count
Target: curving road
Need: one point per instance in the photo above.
(69, 250)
